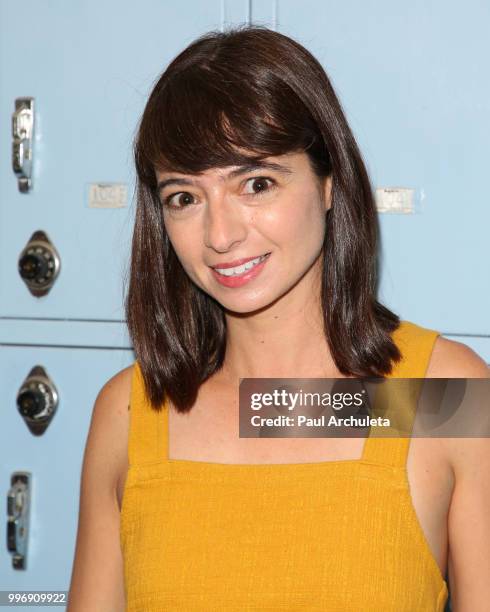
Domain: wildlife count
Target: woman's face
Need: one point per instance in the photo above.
(227, 214)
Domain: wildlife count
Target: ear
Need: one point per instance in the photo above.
(328, 192)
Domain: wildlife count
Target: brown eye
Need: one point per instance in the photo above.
(260, 184)
(183, 200)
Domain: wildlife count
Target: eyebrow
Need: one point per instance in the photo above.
(233, 173)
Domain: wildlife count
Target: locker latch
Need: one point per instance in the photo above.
(18, 506)
(22, 143)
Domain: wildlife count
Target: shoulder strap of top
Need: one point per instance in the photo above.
(415, 344)
(148, 428)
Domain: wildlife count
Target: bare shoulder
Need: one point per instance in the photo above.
(468, 525)
(451, 359)
(110, 419)
(113, 397)
(97, 573)
(118, 386)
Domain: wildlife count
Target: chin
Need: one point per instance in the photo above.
(243, 306)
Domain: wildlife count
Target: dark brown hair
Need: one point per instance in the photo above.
(258, 90)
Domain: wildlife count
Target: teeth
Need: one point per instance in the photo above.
(240, 269)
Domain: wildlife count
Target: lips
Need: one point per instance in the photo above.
(235, 281)
(237, 262)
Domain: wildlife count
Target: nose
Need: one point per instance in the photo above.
(223, 223)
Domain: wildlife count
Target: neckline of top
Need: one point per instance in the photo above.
(364, 458)
(149, 440)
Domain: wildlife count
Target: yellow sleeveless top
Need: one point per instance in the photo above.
(337, 536)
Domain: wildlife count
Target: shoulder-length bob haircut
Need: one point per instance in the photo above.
(228, 99)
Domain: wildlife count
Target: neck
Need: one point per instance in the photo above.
(285, 340)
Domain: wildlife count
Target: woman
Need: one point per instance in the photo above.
(253, 256)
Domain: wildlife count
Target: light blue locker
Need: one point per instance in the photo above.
(89, 66)
(411, 79)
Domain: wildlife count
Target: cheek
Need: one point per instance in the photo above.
(297, 224)
(183, 247)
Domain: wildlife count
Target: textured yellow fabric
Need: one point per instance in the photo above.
(337, 536)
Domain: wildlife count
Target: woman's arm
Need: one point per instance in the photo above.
(469, 513)
(97, 574)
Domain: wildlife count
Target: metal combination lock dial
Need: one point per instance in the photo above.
(37, 400)
(39, 264)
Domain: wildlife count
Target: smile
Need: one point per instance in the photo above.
(240, 269)
(239, 275)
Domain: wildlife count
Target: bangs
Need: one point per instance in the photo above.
(203, 118)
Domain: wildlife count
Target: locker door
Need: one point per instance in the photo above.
(89, 67)
(419, 109)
